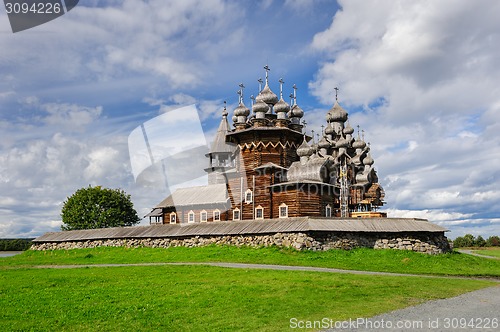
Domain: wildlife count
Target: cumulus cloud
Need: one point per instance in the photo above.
(425, 76)
(419, 77)
(37, 174)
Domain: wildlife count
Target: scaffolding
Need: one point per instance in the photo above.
(344, 191)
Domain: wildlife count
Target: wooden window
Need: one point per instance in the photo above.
(236, 214)
(259, 212)
(283, 210)
(328, 211)
(173, 218)
(203, 216)
(248, 196)
(190, 217)
(216, 215)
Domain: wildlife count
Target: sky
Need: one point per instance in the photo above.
(421, 78)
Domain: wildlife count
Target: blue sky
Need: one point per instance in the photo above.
(420, 77)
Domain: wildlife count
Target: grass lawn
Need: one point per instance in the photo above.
(196, 298)
(491, 251)
(359, 259)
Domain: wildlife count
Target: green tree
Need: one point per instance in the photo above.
(459, 242)
(96, 207)
(493, 241)
(469, 240)
(479, 242)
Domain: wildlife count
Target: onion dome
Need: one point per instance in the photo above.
(304, 150)
(281, 106)
(323, 143)
(260, 106)
(329, 130)
(314, 156)
(267, 96)
(297, 112)
(359, 144)
(241, 110)
(336, 114)
(235, 118)
(368, 160)
(342, 143)
(348, 130)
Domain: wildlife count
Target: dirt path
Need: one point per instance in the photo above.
(474, 311)
(470, 252)
(263, 267)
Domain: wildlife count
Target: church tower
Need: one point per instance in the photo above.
(267, 141)
(222, 155)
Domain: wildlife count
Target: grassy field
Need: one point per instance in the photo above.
(201, 298)
(205, 298)
(492, 251)
(358, 259)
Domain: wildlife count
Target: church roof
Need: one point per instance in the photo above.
(219, 144)
(302, 224)
(202, 195)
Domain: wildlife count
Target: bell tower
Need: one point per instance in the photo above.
(222, 154)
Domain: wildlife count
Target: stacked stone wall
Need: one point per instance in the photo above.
(420, 242)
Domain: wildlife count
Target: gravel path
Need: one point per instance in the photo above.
(470, 252)
(262, 267)
(474, 311)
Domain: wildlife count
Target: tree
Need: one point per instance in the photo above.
(96, 207)
(459, 242)
(467, 240)
(493, 241)
(479, 242)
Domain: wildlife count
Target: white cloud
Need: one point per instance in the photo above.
(72, 116)
(425, 75)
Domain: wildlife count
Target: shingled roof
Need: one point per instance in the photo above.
(288, 225)
(211, 194)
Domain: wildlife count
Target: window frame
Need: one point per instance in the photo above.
(236, 210)
(203, 213)
(174, 219)
(283, 205)
(262, 213)
(191, 214)
(247, 199)
(214, 213)
(328, 211)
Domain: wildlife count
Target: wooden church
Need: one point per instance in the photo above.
(266, 167)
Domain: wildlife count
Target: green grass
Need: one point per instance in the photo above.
(359, 259)
(491, 251)
(197, 298)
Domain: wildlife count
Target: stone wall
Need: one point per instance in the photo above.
(430, 243)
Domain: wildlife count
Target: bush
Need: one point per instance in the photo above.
(14, 244)
(468, 240)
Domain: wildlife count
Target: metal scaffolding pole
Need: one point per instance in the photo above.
(344, 192)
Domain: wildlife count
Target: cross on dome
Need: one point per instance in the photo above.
(241, 91)
(224, 110)
(281, 87)
(266, 67)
